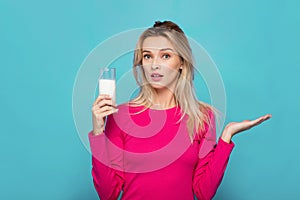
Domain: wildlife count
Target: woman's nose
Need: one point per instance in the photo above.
(154, 67)
(155, 63)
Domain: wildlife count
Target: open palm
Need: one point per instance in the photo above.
(236, 127)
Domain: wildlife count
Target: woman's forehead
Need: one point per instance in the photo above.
(157, 43)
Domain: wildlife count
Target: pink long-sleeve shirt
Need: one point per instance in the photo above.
(148, 155)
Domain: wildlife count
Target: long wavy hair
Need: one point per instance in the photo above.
(199, 113)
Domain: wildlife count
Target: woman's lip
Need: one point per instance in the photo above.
(156, 76)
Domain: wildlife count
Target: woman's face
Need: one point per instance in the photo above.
(160, 62)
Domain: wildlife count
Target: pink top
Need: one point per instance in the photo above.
(150, 156)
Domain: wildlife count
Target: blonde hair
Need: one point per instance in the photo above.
(199, 112)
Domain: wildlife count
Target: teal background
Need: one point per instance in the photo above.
(255, 45)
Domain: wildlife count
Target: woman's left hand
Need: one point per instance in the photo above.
(236, 127)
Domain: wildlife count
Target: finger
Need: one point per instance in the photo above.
(106, 102)
(102, 112)
(102, 103)
(101, 97)
(260, 120)
(268, 116)
(109, 112)
(105, 108)
(97, 109)
(265, 117)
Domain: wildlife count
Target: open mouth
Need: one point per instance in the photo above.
(156, 77)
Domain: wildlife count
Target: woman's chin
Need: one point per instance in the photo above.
(158, 86)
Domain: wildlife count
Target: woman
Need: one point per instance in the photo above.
(165, 124)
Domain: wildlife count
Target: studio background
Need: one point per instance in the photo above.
(255, 45)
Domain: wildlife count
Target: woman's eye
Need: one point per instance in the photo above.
(166, 56)
(146, 56)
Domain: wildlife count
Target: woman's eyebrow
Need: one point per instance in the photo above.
(164, 49)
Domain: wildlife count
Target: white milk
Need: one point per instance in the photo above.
(108, 86)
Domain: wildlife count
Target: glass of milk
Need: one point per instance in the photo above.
(107, 82)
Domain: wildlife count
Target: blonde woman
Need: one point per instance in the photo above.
(152, 147)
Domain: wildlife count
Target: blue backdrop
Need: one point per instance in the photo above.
(255, 45)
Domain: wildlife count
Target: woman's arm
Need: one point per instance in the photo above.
(107, 161)
(210, 169)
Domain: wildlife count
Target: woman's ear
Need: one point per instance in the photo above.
(180, 69)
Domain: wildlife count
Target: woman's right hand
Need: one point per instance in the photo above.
(102, 107)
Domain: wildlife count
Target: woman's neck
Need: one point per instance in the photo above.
(163, 99)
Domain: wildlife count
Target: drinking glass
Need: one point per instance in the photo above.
(107, 82)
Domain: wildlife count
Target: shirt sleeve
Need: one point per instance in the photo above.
(107, 161)
(209, 170)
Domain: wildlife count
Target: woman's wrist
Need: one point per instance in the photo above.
(226, 136)
(98, 131)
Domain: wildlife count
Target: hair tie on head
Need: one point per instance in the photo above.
(157, 23)
(167, 25)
